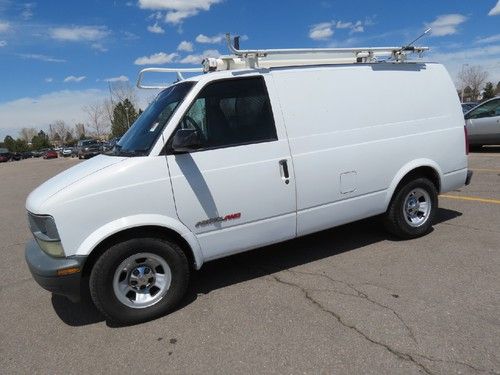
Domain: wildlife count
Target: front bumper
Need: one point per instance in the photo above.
(469, 177)
(44, 269)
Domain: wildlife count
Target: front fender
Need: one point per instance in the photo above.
(407, 168)
(119, 225)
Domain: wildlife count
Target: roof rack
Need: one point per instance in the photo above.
(271, 58)
(178, 71)
(267, 58)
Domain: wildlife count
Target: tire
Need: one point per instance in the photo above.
(405, 216)
(112, 279)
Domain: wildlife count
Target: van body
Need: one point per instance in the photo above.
(230, 161)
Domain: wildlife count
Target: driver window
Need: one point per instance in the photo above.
(232, 112)
(489, 109)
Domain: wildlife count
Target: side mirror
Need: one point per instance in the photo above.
(186, 140)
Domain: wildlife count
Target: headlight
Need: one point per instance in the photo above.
(45, 232)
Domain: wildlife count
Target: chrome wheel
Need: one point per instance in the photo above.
(417, 207)
(142, 280)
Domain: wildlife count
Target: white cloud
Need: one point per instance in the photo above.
(185, 46)
(4, 26)
(156, 29)
(357, 27)
(74, 79)
(446, 24)
(35, 56)
(117, 79)
(496, 10)
(49, 79)
(79, 33)
(3, 43)
(488, 57)
(178, 10)
(177, 17)
(343, 25)
(156, 59)
(27, 12)
(210, 39)
(98, 47)
(489, 39)
(42, 110)
(321, 31)
(197, 59)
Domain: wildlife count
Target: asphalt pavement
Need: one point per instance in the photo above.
(348, 300)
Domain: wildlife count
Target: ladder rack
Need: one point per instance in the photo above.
(271, 58)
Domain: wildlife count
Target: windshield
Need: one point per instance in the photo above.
(144, 132)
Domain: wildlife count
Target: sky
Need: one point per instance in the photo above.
(58, 56)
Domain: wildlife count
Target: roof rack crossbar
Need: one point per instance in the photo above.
(396, 52)
(178, 71)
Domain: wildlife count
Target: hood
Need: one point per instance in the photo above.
(66, 178)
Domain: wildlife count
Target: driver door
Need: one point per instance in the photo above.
(236, 191)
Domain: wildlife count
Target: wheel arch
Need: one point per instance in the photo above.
(97, 243)
(415, 169)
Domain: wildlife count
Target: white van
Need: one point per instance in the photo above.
(252, 153)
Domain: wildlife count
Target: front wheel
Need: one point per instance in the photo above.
(412, 209)
(139, 279)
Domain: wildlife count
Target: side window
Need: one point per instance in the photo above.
(232, 112)
(489, 109)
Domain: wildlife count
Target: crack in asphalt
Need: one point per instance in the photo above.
(399, 354)
(477, 369)
(363, 295)
(403, 356)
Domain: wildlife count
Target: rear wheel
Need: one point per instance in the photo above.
(139, 279)
(412, 209)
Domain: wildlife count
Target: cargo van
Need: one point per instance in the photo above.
(250, 152)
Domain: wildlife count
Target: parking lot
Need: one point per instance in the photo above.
(347, 300)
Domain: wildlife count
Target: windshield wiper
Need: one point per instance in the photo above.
(131, 152)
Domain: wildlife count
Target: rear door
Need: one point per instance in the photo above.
(236, 191)
(483, 123)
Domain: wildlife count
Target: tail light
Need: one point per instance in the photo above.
(466, 141)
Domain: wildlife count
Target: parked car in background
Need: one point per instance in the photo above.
(26, 155)
(88, 148)
(5, 155)
(16, 156)
(50, 154)
(466, 107)
(38, 153)
(67, 151)
(483, 123)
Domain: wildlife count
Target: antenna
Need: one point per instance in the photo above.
(409, 46)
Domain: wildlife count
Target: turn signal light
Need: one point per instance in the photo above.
(68, 271)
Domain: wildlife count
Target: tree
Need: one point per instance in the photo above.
(68, 138)
(9, 143)
(39, 141)
(79, 131)
(489, 91)
(96, 116)
(124, 114)
(473, 76)
(27, 134)
(21, 145)
(497, 90)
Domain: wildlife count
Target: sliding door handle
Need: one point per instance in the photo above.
(284, 171)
